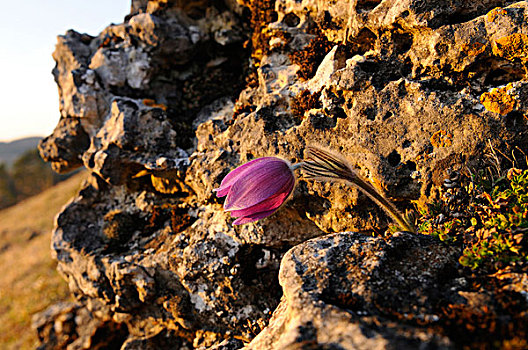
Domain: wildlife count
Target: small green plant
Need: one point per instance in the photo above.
(486, 214)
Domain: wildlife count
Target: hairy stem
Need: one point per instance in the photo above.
(326, 166)
(383, 202)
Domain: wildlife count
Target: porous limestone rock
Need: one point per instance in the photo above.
(76, 325)
(401, 97)
(135, 138)
(345, 290)
(160, 107)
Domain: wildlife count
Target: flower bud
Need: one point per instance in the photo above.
(257, 189)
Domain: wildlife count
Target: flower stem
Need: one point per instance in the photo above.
(297, 166)
(324, 165)
(383, 202)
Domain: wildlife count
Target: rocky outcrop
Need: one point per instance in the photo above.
(161, 107)
(347, 289)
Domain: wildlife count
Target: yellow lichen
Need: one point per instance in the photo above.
(163, 183)
(442, 138)
(151, 103)
(496, 12)
(473, 49)
(166, 184)
(512, 47)
(498, 100)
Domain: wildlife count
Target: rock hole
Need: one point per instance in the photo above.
(406, 68)
(247, 257)
(111, 334)
(387, 115)
(291, 20)
(402, 90)
(366, 5)
(91, 161)
(274, 16)
(407, 144)
(366, 39)
(402, 41)
(457, 18)
(394, 158)
(494, 72)
(328, 22)
(411, 165)
(321, 122)
(369, 67)
(340, 113)
(370, 113)
(307, 334)
(363, 42)
(246, 12)
(515, 120)
(504, 75)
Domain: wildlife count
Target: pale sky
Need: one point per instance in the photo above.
(28, 93)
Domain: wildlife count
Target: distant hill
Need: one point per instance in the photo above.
(9, 151)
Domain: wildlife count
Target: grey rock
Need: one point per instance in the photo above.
(343, 291)
(134, 138)
(78, 325)
(168, 36)
(80, 93)
(184, 277)
(64, 148)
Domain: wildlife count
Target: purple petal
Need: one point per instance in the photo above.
(271, 203)
(260, 182)
(253, 217)
(235, 174)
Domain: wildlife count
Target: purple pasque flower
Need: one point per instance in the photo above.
(257, 189)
